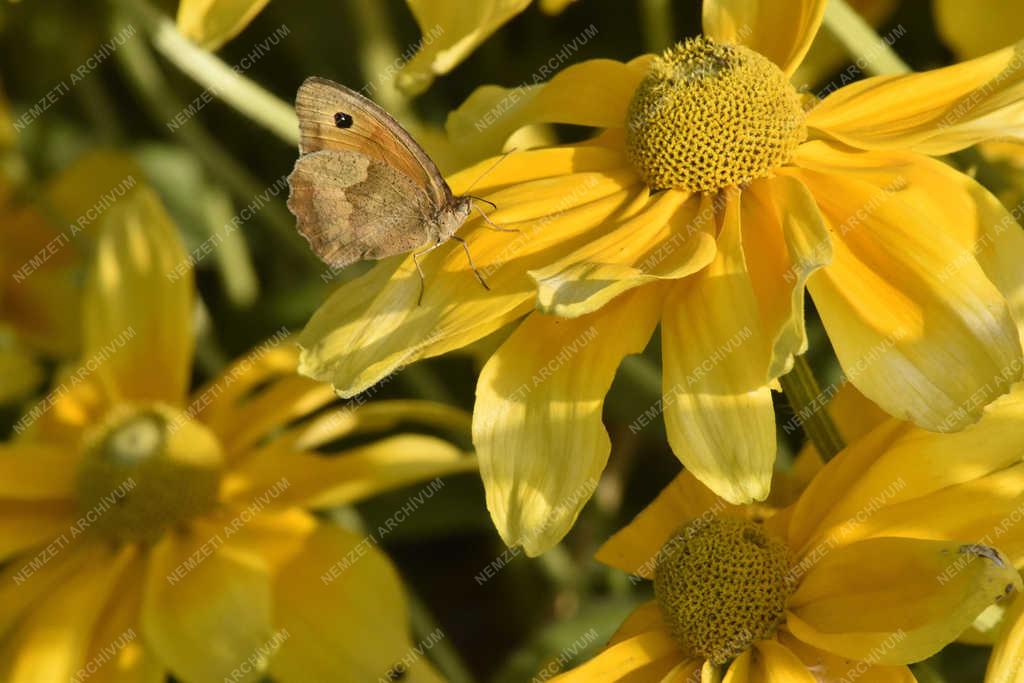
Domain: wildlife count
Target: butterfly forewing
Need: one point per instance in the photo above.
(364, 128)
(352, 207)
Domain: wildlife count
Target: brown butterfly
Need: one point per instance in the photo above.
(362, 188)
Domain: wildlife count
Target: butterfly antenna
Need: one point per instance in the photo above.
(485, 173)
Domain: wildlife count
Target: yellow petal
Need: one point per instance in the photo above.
(272, 407)
(118, 653)
(138, 333)
(537, 421)
(594, 93)
(373, 326)
(211, 23)
(341, 604)
(871, 475)
(451, 30)
(20, 589)
(40, 528)
(35, 471)
(983, 510)
(975, 29)
(718, 407)
(920, 595)
(1006, 664)
(206, 606)
(967, 212)
(377, 416)
(672, 237)
(788, 241)
(776, 662)
(646, 617)
(52, 642)
(321, 481)
(636, 548)
(831, 667)
(637, 656)
(215, 403)
(931, 348)
(782, 32)
(935, 112)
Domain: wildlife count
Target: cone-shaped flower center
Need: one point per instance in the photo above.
(146, 469)
(710, 116)
(722, 585)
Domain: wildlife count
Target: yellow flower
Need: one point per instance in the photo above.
(894, 548)
(143, 532)
(42, 248)
(910, 263)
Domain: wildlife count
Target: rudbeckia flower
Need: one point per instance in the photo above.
(144, 532)
(714, 196)
(43, 248)
(878, 564)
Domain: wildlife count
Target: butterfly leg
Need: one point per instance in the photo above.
(487, 220)
(472, 265)
(416, 260)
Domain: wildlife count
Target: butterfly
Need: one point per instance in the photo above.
(362, 188)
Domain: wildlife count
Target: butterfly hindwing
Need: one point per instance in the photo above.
(352, 207)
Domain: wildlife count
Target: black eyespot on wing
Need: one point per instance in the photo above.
(343, 120)
(397, 672)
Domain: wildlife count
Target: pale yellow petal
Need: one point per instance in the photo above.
(922, 595)
(781, 31)
(342, 606)
(670, 238)
(922, 345)
(1006, 664)
(788, 241)
(206, 607)
(450, 31)
(718, 407)
(935, 112)
(537, 421)
(138, 334)
(211, 23)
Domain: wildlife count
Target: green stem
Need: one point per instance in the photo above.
(805, 396)
(442, 652)
(643, 373)
(658, 22)
(862, 41)
(219, 79)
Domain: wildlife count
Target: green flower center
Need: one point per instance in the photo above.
(722, 585)
(145, 470)
(710, 116)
